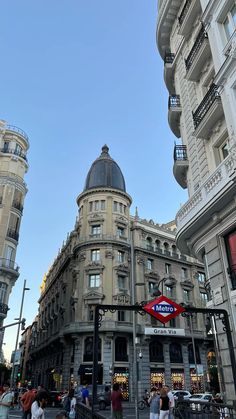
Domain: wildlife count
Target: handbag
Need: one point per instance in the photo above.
(72, 414)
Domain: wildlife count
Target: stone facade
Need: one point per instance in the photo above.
(94, 267)
(196, 40)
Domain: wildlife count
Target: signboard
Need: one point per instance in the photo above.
(164, 331)
(163, 309)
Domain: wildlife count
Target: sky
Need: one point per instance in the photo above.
(75, 75)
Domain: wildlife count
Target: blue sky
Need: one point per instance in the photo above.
(76, 74)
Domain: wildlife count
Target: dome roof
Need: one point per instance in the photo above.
(105, 172)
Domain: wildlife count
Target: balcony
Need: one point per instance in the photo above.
(169, 72)
(13, 234)
(174, 114)
(7, 150)
(188, 17)
(18, 131)
(3, 309)
(8, 264)
(208, 113)
(180, 165)
(17, 205)
(197, 56)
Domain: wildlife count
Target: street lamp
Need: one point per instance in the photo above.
(18, 332)
(168, 281)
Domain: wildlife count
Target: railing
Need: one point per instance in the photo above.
(169, 58)
(15, 152)
(180, 152)
(84, 412)
(17, 205)
(174, 101)
(18, 131)
(12, 234)
(196, 47)
(205, 409)
(6, 263)
(184, 11)
(3, 308)
(211, 96)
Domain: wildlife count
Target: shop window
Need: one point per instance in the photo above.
(121, 354)
(94, 281)
(88, 349)
(230, 242)
(176, 353)
(121, 377)
(156, 351)
(177, 379)
(95, 255)
(157, 378)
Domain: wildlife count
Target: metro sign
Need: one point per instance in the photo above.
(163, 309)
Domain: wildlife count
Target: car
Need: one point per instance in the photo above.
(181, 394)
(54, 399)
(203, 398)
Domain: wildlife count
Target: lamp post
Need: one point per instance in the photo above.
(169, 281)
(18, 332)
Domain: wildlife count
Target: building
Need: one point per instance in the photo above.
(196, 40)
(14, 144)
(94, 267)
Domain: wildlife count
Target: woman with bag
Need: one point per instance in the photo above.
(70, 403)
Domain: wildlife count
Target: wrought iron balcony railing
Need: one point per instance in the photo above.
(18, 131)
(169, 58)
(174, 101)
(196, 47)
(184, 11)
(3, 308)
(211, 96)
(15, 152)
(180, 152)
(6, 263)
(12, 234)
(17, 205)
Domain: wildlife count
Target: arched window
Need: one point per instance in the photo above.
(121, 349)
(149, 243)
(156, 351)
(176, 353)
(191, 359)
(174, 250)
(166, 248)
(88, 349)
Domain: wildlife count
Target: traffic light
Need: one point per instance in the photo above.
(18, 373)
(23, 324)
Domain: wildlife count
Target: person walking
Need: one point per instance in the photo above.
(69, 404)
(26, 401)
(164, 404)
(6, 400)
(85, 395)
(116, 401)
(172, 402)
(38, 406)
(154, 403)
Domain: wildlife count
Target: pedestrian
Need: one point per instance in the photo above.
(38, 406)
(164, 404)
(85, 395)
(69, 403)
(6, 401)
(116, 400)
(172, 402)
(26, 401)
(154, 403)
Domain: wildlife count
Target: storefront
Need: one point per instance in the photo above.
(177, 379)
(86, 373)
(157, 377)
(121, 376)
(196, 380)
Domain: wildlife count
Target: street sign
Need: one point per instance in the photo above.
(163, 309)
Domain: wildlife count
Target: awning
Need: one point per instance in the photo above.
(88, 369)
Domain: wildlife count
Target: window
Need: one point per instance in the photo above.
(229, 23)
(221, 149)
(96, 205)
(95, 255)
(186, 295)
(120, 256)
(121, 282)
(168, 291)
(103, 206)
(18, 150)
(167, 268)
(90, 314)
(184, 273)
(176, 353)
(151, 286)
(6, 146)
(156, 351)
(121, 208)
(149, 264)
(88, 349)
(96, 230)
(120, 231)
(115, 206)
(121, 349)
(201, 277)
(204, 299)
(9, 255)
(3, 290)
(94, 281)
(90, 206)
(121, 316)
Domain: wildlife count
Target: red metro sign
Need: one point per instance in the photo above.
(163, 309)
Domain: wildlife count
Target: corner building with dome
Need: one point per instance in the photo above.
(94, 267)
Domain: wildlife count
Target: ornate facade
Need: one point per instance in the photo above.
(94, 267)
(196, 39)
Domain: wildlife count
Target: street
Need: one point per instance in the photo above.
(51, 412)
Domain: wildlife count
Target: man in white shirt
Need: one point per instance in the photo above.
(172, 402)
(5, 401)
